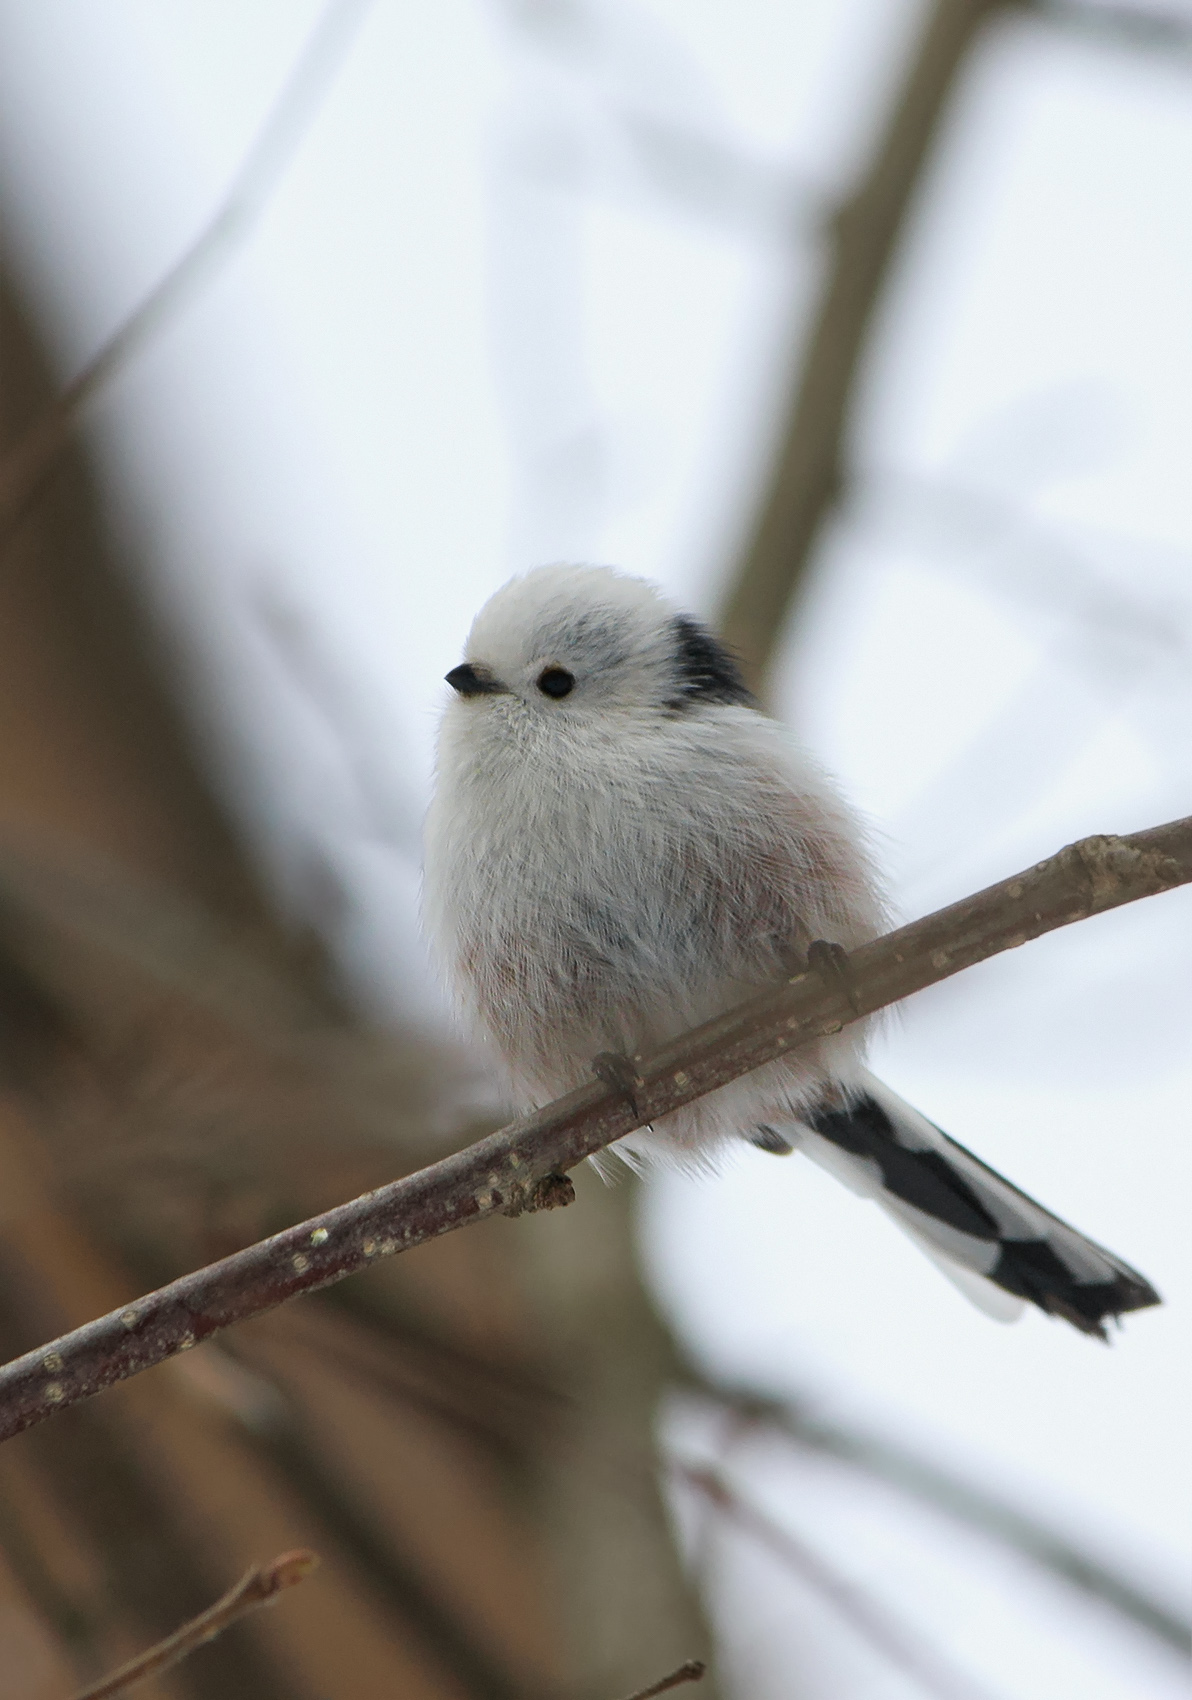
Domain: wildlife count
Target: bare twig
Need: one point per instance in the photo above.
(807, 469)
(25, 468)
(259, 1587)
(954, 1496)
(872, 1623)
(692, 1671)
(523, 1166)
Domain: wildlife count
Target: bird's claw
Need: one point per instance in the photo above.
(616, 1071)
(769, 1139)
(831, 962)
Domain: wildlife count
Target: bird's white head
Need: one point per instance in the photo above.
(582, 641)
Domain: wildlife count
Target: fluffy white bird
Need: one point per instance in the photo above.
(621, 846)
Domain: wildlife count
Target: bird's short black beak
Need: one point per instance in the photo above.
(469, 683)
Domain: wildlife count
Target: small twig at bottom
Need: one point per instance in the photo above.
(692, 1671)
(259, 1587)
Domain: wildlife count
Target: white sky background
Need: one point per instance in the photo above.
(526, 293)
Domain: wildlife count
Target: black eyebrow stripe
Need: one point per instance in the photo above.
(707, 671)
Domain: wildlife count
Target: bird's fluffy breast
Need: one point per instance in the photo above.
(605, 888)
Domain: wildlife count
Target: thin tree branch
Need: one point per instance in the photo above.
(1149, 29)
(871, 1623)
(25, 468)
(259, 1587)
(692, 1671)
(523, 1166)
(969, 1504)
(864, 234)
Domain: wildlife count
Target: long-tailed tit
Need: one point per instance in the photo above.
(622, 846)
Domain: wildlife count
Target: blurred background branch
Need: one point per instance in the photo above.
(862, 239)
(949, 1493)
(908, 1653)
(27, 463)
(1151, 29)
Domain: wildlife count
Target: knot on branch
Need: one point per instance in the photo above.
(552, 1192)
(1116, 866)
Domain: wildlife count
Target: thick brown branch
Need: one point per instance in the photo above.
(521, 1167)
(864, 235)
(259, 1587)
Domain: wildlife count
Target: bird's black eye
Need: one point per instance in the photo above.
(555, 682)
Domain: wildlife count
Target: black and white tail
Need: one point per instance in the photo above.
(997, 1245)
